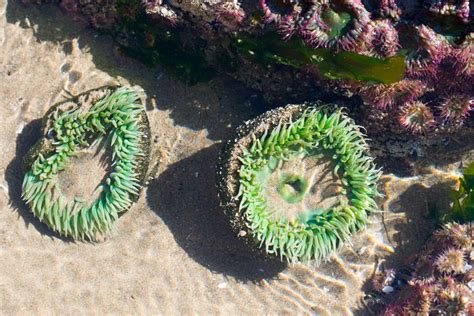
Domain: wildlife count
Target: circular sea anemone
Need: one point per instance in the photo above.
(275, 11)
(297, 181)
(386, 96)
(456, 107)
(383, 39)
(111, 116)
(454, 235)
(416, 116)
(451, 261)
(454, 298)
(340, 24)
(285, 14)
(229, 14)
(389, 9)
(459, 8)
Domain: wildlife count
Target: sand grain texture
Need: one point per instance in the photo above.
(173, 252)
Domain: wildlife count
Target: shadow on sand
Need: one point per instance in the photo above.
(185, 197)
(49, 24)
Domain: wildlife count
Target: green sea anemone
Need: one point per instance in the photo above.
(110, 116)
(297, 181)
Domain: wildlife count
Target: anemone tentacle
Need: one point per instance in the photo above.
(459, 8)
(229, 14)
(385, 97)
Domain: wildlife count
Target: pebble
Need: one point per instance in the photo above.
(222, 285)
(467, 267)
(471, 285)
(387, 289)
(362, 251)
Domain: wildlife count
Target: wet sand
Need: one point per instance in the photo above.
(173, 252)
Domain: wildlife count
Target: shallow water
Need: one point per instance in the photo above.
(174, 251)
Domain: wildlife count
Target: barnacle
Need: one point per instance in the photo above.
(297, 181)
(111, 116)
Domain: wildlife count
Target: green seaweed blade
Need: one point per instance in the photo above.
(270, 48)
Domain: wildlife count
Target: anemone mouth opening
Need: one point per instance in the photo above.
(300, 187)
(338, 21)
(292, 188)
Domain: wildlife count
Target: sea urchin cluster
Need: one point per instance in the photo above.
(297, 181)
(110, 115)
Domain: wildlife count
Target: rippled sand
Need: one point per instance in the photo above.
(173, 252)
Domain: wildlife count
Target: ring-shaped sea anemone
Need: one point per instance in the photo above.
(297, 181)
(110, 116)
(275, 11)
(285, 14)
(339, 24)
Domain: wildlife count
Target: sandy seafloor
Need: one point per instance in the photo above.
(173, 252)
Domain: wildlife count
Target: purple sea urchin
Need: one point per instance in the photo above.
(285, 14)
(297, 181)
(114, 116)
(439, 62)
(433, 39)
